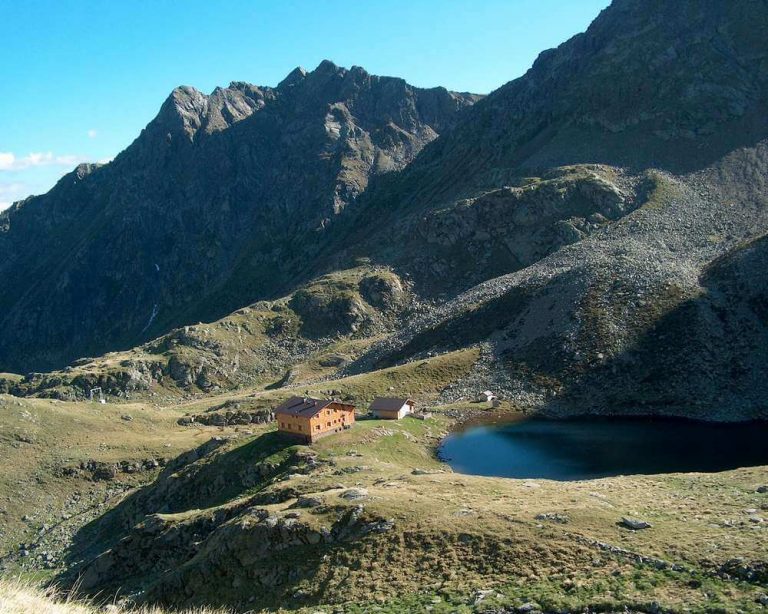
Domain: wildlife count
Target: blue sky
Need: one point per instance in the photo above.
(80, 79)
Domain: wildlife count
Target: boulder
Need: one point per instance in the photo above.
(634, 524)
(352, 494)
(307, 502)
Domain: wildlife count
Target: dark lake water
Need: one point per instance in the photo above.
(587, 448)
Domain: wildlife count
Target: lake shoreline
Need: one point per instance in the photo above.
(525, 446)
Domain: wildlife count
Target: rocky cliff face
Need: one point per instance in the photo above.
(595, 291)
(221, 200)
(568, 223)
(674, 85)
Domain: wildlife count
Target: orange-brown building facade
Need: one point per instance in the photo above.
(310, 419)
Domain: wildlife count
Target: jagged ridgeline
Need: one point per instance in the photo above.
(222, 200)
(590, 238)
(570, 224)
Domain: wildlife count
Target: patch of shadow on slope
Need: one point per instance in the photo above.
(704, 356)
(204, 477)
(477, 323)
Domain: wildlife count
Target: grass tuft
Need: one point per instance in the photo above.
(18, 597)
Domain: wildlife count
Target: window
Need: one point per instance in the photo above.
(317, 428)
(299, 427)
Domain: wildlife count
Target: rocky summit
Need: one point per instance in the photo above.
(589, 239)
(222, 200)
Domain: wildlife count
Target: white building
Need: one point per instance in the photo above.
(388, 408)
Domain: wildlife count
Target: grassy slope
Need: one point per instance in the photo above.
(421, 379)
(40, 437)
(252, 348)
(453, 535)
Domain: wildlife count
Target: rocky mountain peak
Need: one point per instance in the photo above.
(218, 192)
(86, 168)
(183, 110)
(187, 111)
(297, 75)
(328, 67)
(672, 85)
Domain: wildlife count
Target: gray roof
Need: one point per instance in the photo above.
(389, 403)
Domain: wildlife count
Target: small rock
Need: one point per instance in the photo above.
(634, 524)
(307, 502)
(552, 517)
(481, 595)
(381, 526)
(126, 417)
(354, 493)
(529, 607)
(762, 489)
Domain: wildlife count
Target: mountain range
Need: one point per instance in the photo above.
(595, 226)
(589, 239)
(222, 200)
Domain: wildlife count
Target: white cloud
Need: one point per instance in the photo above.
(6, 160)
(34, 173)
(11, 188)
(92, 134)
(10, 162)
(10, 192)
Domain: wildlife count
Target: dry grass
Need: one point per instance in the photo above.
(41, 438)
(17, 597)
(420, 379)
(453, 534)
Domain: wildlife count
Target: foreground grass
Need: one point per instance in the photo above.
(20, 598)
(456, 543)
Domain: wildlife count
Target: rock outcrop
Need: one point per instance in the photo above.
(585, 224)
